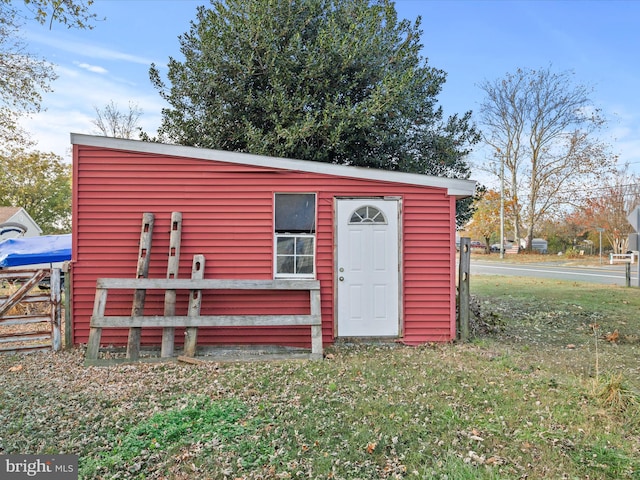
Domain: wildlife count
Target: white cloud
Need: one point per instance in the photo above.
(91, 68)
(70, 108)
(71, 45)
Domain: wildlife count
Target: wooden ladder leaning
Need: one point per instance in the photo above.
(193, 320)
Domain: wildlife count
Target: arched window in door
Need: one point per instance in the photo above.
(367, 214)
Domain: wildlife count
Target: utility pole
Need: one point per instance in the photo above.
(600, 230)
(501, 204)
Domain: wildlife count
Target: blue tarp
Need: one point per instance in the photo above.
(15, 252)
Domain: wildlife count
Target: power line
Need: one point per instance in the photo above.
(579, 190)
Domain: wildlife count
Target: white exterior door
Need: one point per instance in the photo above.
(368, 269)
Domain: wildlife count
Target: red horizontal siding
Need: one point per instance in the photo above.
(227, 216)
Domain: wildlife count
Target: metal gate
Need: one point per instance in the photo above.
(30, 310)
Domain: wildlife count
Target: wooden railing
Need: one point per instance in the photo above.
(193, 319)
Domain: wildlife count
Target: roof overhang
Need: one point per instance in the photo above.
(455, 187)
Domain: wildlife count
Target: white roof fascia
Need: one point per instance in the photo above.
(455, 187)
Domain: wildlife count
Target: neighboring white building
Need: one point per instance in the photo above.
(538, 244)
(16, 222)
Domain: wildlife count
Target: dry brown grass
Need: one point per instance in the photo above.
(584, 260)
(616, 394)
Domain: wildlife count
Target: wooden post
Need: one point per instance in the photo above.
(68, 334)
(628, 274)
(463, 288)
(99, 307)
(195, 301)
(168, 333)
(142, 271)
(56, 309)
(316, 330)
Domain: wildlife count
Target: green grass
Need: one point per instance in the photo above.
(198, 420)
(521, 401)
(534, 314)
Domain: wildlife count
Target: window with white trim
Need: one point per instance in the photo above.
(295, 235)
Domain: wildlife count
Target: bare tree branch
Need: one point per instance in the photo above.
(111, 122)
(541, 126)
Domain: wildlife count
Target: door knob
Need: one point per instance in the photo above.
(341, 279)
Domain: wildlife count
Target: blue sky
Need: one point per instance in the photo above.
(472, 41)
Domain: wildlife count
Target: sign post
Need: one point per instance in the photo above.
(634, 220)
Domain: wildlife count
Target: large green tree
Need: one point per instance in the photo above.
(41, 184)
(338, 81)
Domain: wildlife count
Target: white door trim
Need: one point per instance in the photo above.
(383, 311)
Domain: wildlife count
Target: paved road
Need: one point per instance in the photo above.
(608, 274)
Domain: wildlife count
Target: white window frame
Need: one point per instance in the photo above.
(312, 274)
(312, 235)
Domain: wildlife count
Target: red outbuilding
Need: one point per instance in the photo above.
(381, 243)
